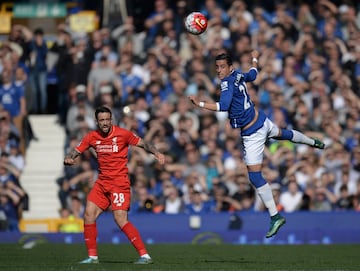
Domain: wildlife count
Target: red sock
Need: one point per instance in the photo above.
(134, 237)
(90, 235)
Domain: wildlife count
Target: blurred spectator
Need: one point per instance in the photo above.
(321, 202)
(223, 201)
(82, 56)
(12, 98)
(344, 202)
(143, 201)
(107, 98)
(348, 178)
(77, 206)
(62, 51)
(291, 198)
(355, 202)
(191, 162)
(245, 193)
(7, 132)
(193, 181)
(38, 72)
(173, 203)
(125, 34)
(308, 199)
(185, 120)
(7, 161)
(107, 52)
(80, 116)
(68, 224)
(198, 204)
(76, 185)
(21, 35)
(11, 198)
(153, 22)
(8, 172)
(101, 75)
(132, 83)
(214, 170)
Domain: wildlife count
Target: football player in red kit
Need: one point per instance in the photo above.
(112, 188)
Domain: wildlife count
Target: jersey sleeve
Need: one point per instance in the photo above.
(227, 90)
(250, 75)
(132, 138)
(84, 144)
(21, 91)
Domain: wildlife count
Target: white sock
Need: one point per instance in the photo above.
(93, 257)
(147, 256)
(301, 138)
(266, 195)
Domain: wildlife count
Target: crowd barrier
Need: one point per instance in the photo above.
(51, 225)
(236, 228)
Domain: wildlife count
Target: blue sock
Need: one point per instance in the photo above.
(257, 179)
(285, 135)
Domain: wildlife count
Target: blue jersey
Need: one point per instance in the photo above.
(235, 99)
(10, 97)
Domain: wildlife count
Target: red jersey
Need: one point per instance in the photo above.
(112, 151)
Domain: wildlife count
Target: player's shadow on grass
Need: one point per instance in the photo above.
(117, 261)
(227, 261)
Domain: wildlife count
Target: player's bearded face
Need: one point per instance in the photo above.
(222, 69)
(104, 122)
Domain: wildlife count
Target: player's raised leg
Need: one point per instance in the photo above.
(298, 137)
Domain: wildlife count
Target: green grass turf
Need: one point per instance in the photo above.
(183, 257)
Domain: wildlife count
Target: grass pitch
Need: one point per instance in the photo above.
(48, 257)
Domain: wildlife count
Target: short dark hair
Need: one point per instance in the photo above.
(39, 31)
(102, 109)
(226, 57)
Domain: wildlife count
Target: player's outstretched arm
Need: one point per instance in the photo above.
(255, 59)
(206, 105)
(147, 146)
(255, 54)
(70, 157)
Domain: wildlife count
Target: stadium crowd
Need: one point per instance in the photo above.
(309, 80)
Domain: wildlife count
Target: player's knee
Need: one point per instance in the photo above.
(120, 218)
(256, 178)
(89, 217)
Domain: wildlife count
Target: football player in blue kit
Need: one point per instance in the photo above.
(255, 127)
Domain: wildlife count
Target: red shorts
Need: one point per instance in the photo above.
(105, 195)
